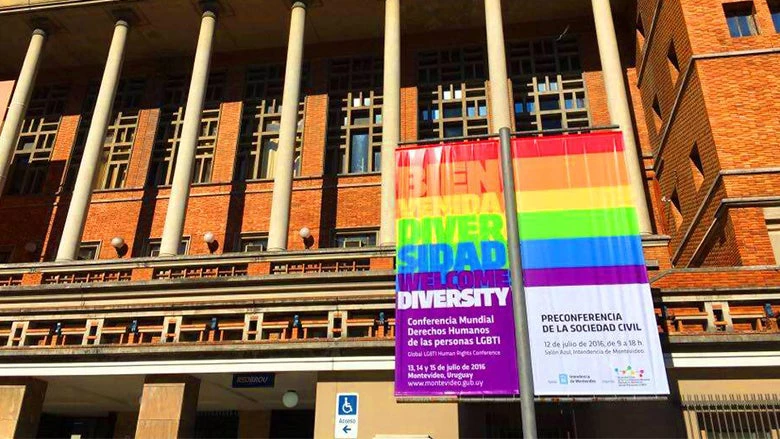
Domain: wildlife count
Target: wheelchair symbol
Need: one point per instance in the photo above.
(346, 408)
(347, 404)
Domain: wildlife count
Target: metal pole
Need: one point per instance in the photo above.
(527, 408)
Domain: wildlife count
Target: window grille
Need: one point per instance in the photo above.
(354, 116)
(260, 123)
(88, 251)
(354, 238)
(120, 135)
(547, 85)
(166, 146)
(253, 243)
(741, 19)
(754, 416)
(774, 9)
(36, 140)
(452, 93)
(152, 247)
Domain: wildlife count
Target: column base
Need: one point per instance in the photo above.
(21, 402)
(168, 407)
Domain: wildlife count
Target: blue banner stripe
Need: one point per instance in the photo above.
(583, 252)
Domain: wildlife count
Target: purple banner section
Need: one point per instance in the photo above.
(553, 277)
(456, 341)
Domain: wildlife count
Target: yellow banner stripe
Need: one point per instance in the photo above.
(575, 199)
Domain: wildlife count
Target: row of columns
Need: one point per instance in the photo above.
(617, 101)
(168, 407)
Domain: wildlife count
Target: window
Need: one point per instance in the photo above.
(88, 251)
(260, 123)
(774, 9)
(152, 247)
(166, 146)
(741, 19)
(697, 168)
(547, 85)
(36, 140)
(354, 115)
(120, 135)
(345, 239)
(452, 93)
(253, 243)
(772, 216)
(673, 62)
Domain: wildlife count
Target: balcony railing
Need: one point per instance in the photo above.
(264, 327)
(198, 267)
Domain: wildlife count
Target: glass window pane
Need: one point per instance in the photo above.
(776, 18)
(733, 26)
(549, 103)
(551, 123)
(358, 161)
(453, 130)
(453, 111)
(744, 26)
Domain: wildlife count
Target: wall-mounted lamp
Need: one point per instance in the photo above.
(117, 242)
(290, 399)
(211, 241)
(308, 240)
(119, 245)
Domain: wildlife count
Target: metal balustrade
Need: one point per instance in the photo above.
(78, 277)
(719, 317)
(200, 271)
(9, 280)
(349, 265)
(732, 416)
(263, 327)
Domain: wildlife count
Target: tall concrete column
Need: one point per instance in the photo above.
(19, 101)
(169, 404)
(499, 87)
(185, 158)
(285, 154)
(21, 401)
(391, 118)
(93, 148)
(619, 110)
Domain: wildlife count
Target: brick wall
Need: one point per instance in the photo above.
(226, 208)
(721, 108)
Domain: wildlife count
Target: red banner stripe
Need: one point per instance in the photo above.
(563, 145)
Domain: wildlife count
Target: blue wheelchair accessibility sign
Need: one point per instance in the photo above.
(346, 416)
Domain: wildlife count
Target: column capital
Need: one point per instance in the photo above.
(42, 26)
(125, 17)
(299, 4)
(210, 7)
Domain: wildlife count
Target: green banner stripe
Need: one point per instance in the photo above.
(579, 223)
(533, 225)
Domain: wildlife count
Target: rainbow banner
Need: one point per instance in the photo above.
(591, 320)
(454, 322)
(590, 312)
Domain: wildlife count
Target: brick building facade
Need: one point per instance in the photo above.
(701, 84)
